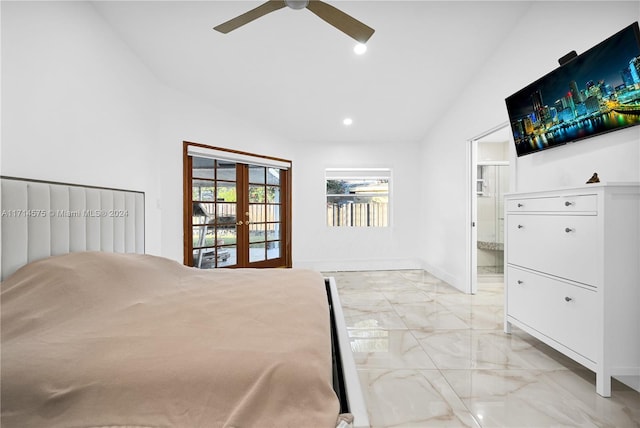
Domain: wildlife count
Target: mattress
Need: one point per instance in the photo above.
(112, 340)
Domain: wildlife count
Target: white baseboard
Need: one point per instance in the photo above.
(380, 264)
(357, 265)
(631, 381)
(444, 276)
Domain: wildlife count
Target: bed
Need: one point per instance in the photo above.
(95, 333)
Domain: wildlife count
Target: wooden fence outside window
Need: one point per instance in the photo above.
(358, 214)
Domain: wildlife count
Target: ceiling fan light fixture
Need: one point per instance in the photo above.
(297, 4)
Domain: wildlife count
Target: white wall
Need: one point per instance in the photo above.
(342, 248)
(184, 118)
(615, 156)
(538, 40)
(80, 107)
(77, 107)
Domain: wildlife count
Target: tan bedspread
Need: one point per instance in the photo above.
(111, 340)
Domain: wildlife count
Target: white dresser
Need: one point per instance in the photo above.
(572, 274)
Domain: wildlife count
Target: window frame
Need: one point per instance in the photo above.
(360, 174)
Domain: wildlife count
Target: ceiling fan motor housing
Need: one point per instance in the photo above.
(297, 4)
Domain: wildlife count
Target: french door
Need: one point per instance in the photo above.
(236, 209)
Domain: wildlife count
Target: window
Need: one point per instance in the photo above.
(358, 197)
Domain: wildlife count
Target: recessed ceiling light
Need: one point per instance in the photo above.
(360, 48)
(347, 121)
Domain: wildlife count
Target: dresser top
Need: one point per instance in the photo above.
(582, 188)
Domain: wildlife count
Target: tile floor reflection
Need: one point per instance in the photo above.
(431, 356)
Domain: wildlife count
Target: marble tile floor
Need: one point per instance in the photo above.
(430, 356)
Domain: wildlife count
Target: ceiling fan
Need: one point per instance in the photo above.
(343, 22)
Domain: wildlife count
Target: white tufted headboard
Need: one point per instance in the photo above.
(42, 219)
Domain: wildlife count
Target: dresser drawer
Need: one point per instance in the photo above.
(560, 204)
(566, 245)
(562, 311)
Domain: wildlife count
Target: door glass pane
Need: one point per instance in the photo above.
(203, 168)
(226, 192)
(226, 214)
(256, 174)
(256, 213)
(256, 193)
(273, 250)
(202, 190)
(257, 252)
(226, 171)
(203, 212)
(273, 176)
(204, 258)
(202, 236)
(273, 213)
(227, 256)
(273, 194)
(257, 232)
(227, 235)
(273, 231)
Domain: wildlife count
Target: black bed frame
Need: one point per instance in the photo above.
(338, 374)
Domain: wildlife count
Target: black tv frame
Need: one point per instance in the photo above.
(543, 117)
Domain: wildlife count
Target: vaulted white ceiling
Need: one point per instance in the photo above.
(296, 75)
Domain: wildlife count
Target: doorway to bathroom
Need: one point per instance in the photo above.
(491, 184)
(489, 181)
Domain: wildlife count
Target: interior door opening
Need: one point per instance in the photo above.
(489, 181)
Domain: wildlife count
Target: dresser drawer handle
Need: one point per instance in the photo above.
(520, 205)
(568, 204)
(568, 299)
(520, 226)
(568, 229)
(520, 281)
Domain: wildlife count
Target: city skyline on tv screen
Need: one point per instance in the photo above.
(597, 92)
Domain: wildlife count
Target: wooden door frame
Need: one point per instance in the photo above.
(187, 207)
(286, 196)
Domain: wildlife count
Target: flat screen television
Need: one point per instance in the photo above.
(596, 92)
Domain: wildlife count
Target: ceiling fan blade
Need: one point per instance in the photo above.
(245, 18)
(343, 22)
